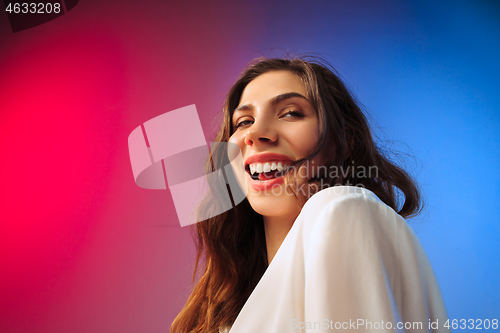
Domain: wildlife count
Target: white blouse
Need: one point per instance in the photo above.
(349, 262)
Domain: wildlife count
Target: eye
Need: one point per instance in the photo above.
(293, 114)
(242, 123)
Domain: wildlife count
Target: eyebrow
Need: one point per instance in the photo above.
(275, 100)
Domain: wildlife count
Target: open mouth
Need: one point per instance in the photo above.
(266, 171)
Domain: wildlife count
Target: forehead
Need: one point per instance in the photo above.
(268, 85)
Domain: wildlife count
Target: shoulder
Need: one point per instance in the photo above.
(347, 199)
(355, 222)
(362, 260)
(350, 209)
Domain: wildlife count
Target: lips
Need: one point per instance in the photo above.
(266, 165)
(266, 169)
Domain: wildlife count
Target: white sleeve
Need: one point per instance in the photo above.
(366, 271)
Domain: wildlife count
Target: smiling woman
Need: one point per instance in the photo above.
(305, 247)
(275, 124)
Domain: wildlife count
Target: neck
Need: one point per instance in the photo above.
(276, 229)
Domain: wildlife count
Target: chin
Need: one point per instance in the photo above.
(268, 204)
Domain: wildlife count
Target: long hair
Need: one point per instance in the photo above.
(231, 247)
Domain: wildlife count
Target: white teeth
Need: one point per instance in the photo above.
(266, 167)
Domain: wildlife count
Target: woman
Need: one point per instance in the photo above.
(301, 252)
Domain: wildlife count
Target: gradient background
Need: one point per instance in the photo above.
(83, 249)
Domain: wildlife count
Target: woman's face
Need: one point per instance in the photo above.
(274, 125)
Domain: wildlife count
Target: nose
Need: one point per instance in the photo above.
(261, 132)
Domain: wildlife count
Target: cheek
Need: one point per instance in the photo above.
(237, 139)
(306, 138)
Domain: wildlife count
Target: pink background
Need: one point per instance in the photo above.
(83, 249)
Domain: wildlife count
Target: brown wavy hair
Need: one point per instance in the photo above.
(231, 247)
